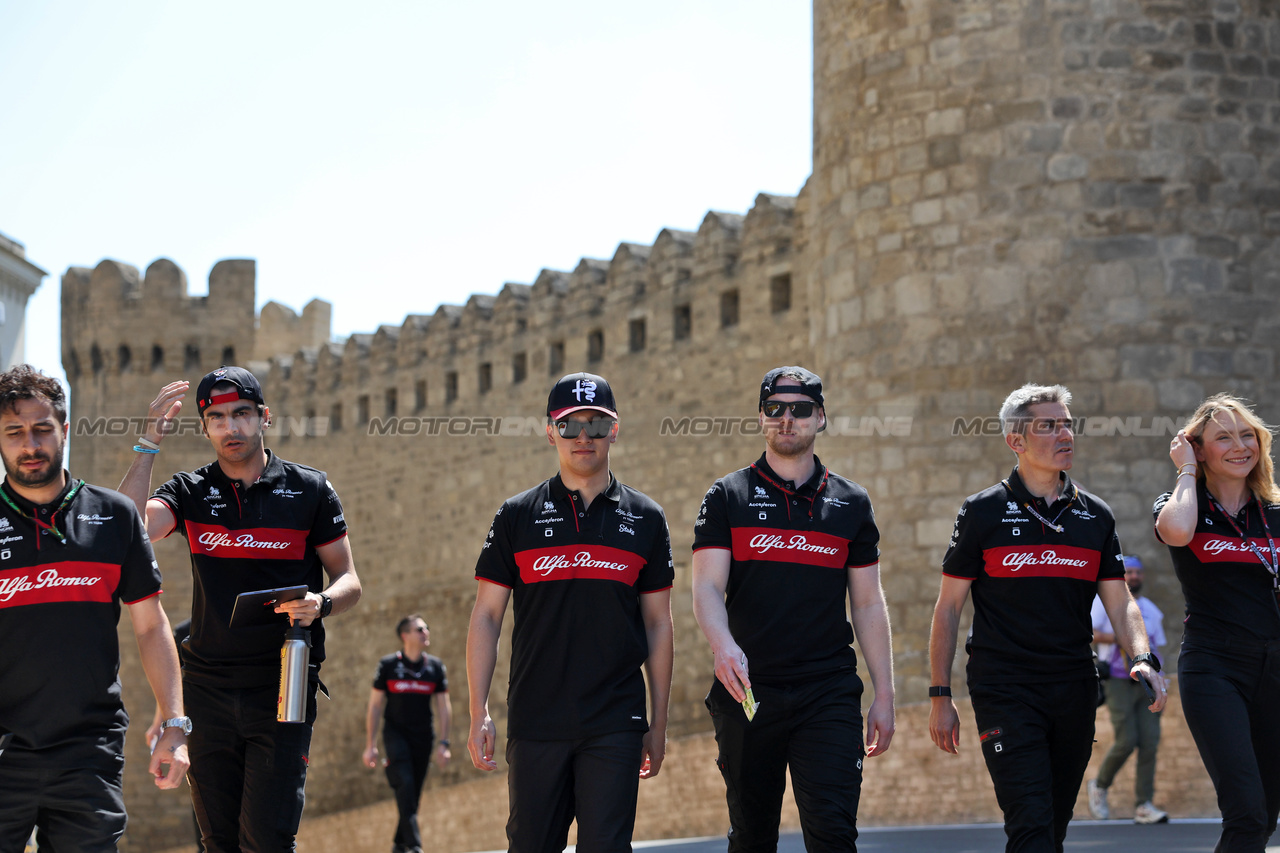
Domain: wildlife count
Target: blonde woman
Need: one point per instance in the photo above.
(1221, 522)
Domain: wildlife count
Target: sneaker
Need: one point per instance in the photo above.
(1147, 813)
(1098, 802)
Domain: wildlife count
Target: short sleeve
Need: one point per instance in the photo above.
(964, 553)
(1155, 512)
(139, 573)
(1112, 567)
(444, 679)
(380, 677)
(330, 523)
(711, 530)
(170, 494)
(659, 571)
(864, 548)
(497, 562)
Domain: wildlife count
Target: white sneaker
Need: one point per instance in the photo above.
(1098, 802)
(1147, 813)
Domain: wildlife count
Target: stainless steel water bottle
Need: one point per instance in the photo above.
(295, 655)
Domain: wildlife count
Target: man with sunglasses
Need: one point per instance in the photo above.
(777, 548)
(1033, 549)
(407, 684)
(588, 563)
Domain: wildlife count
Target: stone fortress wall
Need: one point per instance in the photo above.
(1003, 191)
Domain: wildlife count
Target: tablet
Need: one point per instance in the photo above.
(258, 607)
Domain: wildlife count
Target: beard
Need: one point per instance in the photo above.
(51, 471)
(790, 446)
(1135, 588)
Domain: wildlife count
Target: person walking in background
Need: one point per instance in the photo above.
(406, 686)
(1220, 523)
(1133, 725)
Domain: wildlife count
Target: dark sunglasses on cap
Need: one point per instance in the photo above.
(800, 409)
(596, 428)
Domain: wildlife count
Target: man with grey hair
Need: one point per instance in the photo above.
(1033, 549)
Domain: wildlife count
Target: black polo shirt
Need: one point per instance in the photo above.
(410, 687)
(243, 539)
(792, 547)
(576, 578)
(59, 608)
(1032, 586)
(1229, 593)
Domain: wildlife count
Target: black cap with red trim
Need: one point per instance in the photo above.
(579, 391)
(246, 385)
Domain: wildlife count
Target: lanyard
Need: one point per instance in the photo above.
(1275, 563)
(1052, 525)
(51, 526)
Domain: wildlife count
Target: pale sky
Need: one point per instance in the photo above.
(390, 155)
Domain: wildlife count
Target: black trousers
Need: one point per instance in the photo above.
(408, 759)
(1231, 699)
(813, 727)
(247, 770)
(551, 782)
(1036, 739)
(74, 801)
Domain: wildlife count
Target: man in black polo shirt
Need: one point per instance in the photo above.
(589, 563)
(406, 685)
(777, 548)
(252, 521)
(1033, 549)
(70, 555)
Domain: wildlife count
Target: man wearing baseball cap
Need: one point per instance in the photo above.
(777, 548)
(252, 521)
(588, 562)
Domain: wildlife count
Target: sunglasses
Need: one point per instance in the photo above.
(800, 409)
(596, 428)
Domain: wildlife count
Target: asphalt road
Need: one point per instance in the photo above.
(1092, 836)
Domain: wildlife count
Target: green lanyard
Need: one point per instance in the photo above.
(51, 526)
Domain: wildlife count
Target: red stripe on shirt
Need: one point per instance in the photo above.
(1216, 548)
(809, 547)
(58, 583)
(578, 562)
(256, 543)
(1043, 561)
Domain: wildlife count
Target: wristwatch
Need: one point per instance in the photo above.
(326, 605)
(183, 723)
(1149, 659)
(939, 690)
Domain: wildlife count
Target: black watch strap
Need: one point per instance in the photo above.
(939, 691)
(1149, 659)
(326, 605)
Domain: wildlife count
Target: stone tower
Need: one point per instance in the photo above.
(1038, 190)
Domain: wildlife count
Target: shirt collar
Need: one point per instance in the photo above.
(29, 507)
(612, 492)
(272, 473)
(807, 489)
(1019, 488)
